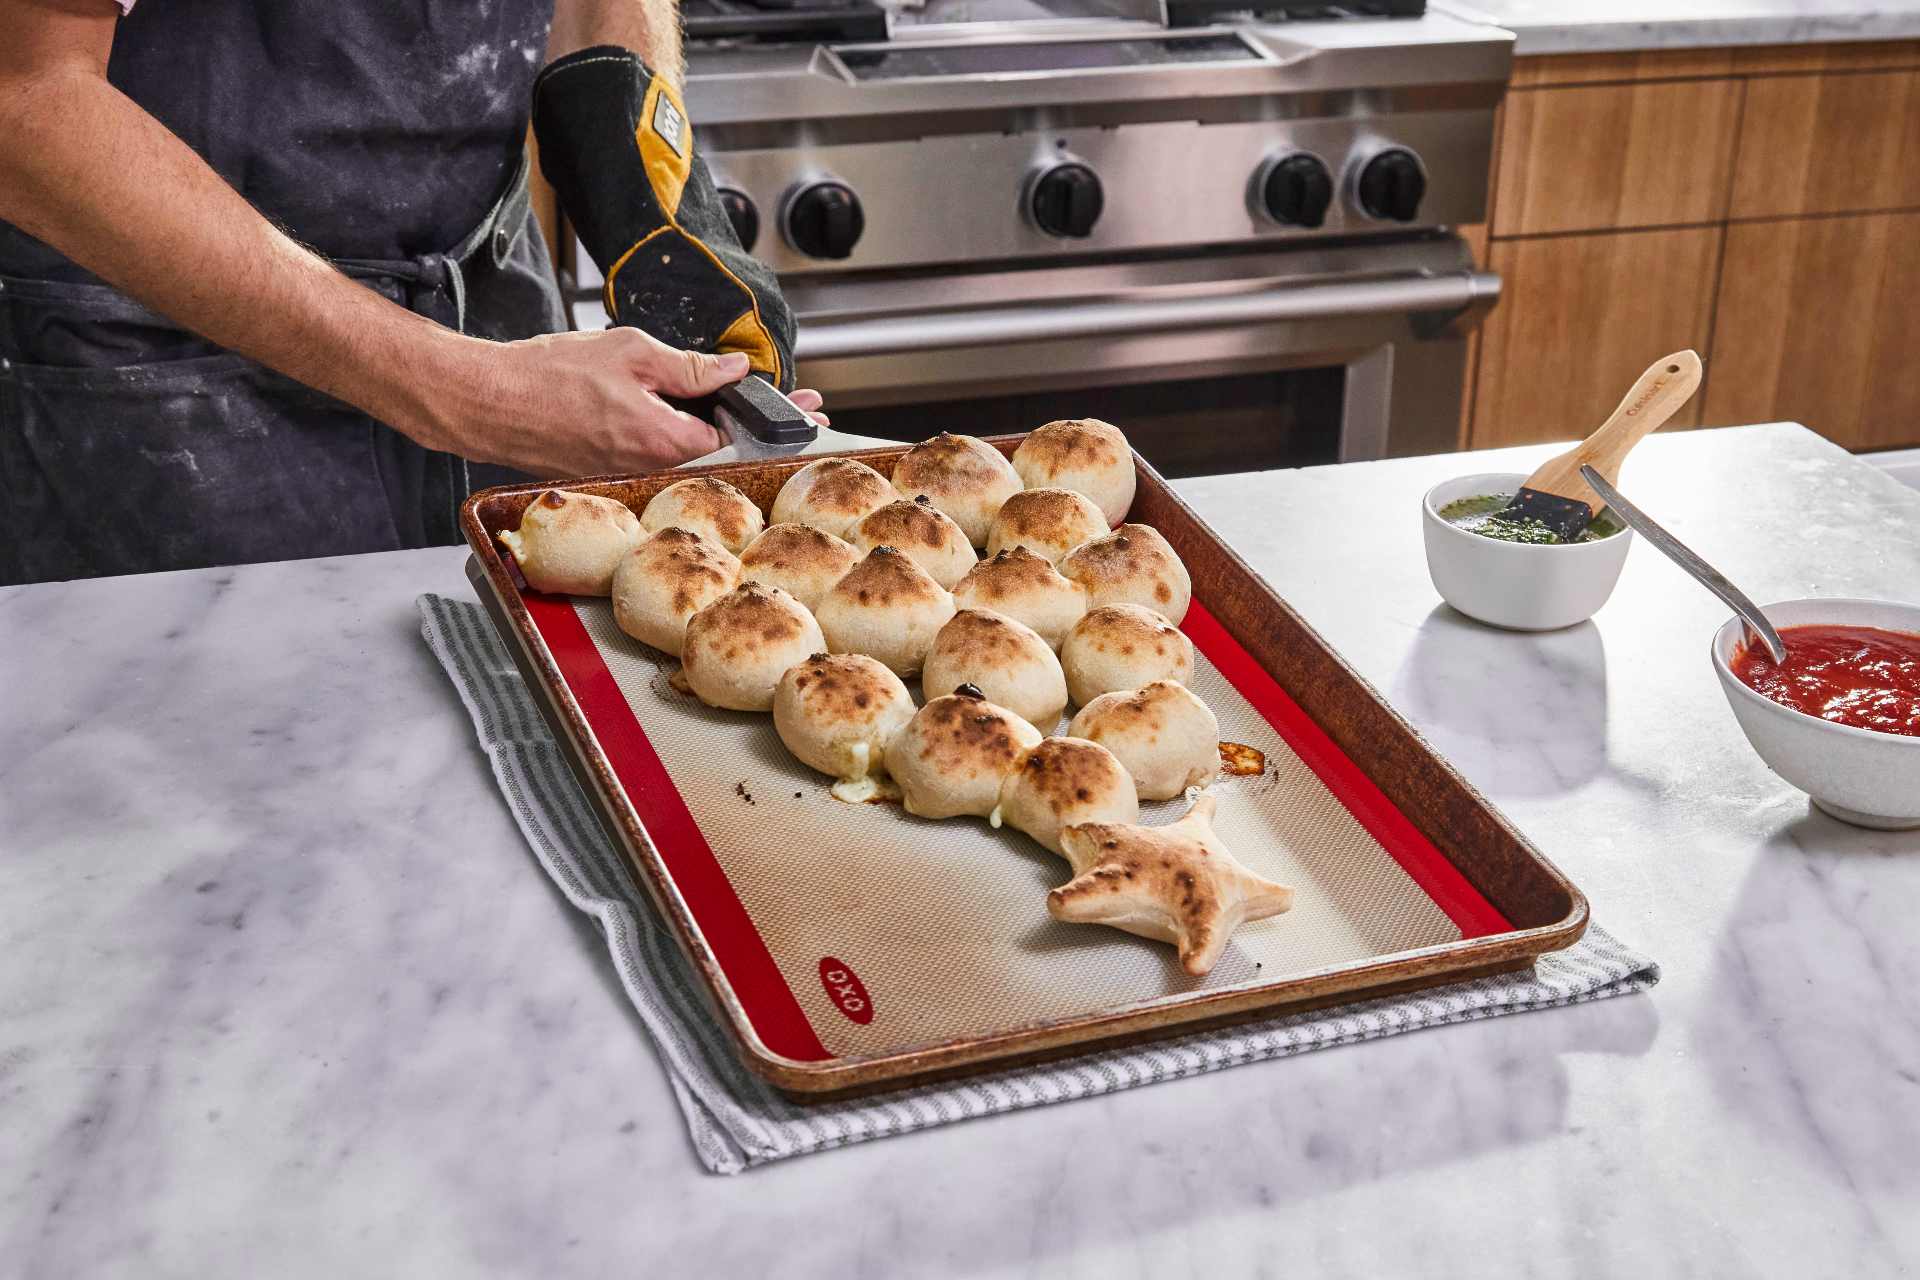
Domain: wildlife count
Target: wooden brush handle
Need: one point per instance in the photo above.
(1655, 396)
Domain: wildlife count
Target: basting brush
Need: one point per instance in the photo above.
(1556, 496)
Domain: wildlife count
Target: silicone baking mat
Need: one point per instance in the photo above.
(852, 931)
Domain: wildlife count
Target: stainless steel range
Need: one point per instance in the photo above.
(1230, 236)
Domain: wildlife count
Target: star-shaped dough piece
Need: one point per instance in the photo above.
(1176, 884)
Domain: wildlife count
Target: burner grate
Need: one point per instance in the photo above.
(783, 20)
(1201, 13)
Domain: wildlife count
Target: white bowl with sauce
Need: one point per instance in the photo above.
(1861, 776)
(1516, 585)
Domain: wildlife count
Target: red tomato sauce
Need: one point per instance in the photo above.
(1859, 676)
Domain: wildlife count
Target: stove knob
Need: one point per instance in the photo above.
(1066, 201)
(1391, 186)
(824, 220)
(1297, 190)
(743, 214)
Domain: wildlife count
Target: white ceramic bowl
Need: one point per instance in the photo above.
(1861, 776)
(1515, 584)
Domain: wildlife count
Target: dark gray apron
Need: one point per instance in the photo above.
(387, 134)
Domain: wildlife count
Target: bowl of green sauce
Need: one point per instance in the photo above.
(1515, 573)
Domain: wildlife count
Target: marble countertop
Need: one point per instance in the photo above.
(283, 992)
(1609, 26)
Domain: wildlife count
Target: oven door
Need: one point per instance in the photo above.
(1223, 361)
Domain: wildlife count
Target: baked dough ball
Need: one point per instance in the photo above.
(1003, 659)
(924, 532)
(571, 543)
(1065, 781)
(708, 506)
(887, 608)
(1132, 565)
(1122, 646)
(963, 476)
(1049, 521)
(1161, 733)
(951, 758)
(799, 559)
(738, 647)
(831, 495)
(664, 581)
(837, 712)
(1085, 455)
(1024, 587)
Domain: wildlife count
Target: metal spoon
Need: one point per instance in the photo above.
(1677, 551)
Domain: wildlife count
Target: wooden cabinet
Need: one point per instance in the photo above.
(1761, 206)
(1829, 144)
(1615, 155)
(1816, 323)
(1579, 318)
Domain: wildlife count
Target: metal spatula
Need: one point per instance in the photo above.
(760, 422)
(1557, 497)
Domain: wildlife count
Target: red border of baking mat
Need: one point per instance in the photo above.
(717, 910)
(742, 954)
(1432, 870)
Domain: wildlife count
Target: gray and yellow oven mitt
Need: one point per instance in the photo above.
(616, 144)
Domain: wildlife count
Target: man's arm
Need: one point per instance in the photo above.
(651, 28)
(85, 169)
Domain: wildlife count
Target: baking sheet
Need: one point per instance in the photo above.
(939, 930)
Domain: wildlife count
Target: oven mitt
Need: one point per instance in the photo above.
(616, 145)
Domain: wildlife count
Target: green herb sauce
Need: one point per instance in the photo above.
(1481, 515)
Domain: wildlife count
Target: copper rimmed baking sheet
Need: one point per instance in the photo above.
(849, 946)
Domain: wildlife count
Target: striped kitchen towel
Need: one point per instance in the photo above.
(735, 1120)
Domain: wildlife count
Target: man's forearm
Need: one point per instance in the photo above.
(651, 28)
(89, 172)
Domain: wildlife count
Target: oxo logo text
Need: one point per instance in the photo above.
(844, 988)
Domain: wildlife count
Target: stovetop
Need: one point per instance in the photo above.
(994, 131)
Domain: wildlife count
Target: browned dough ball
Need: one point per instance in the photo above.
(928, 536)
(831, 495)
(952, 756)
(709, 506)
(1122, 646)
(738, 647)
(571, 543)
(963, 476)
(664, 581)
(799, 559)
(887, 608)
(1085, 455)
(1132, 565)
(1051, 522)
(1063, 782)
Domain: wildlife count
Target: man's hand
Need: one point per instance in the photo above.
(569, 404)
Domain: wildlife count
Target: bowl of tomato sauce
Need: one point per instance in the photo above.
(1840, 718)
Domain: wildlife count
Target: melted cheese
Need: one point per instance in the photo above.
(865, 790)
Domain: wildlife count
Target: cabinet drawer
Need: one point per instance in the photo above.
(1618, 155)
(1580, 317)
(1828, 144)
(1814, 326)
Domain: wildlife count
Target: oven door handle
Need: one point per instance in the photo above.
(1437, 301)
